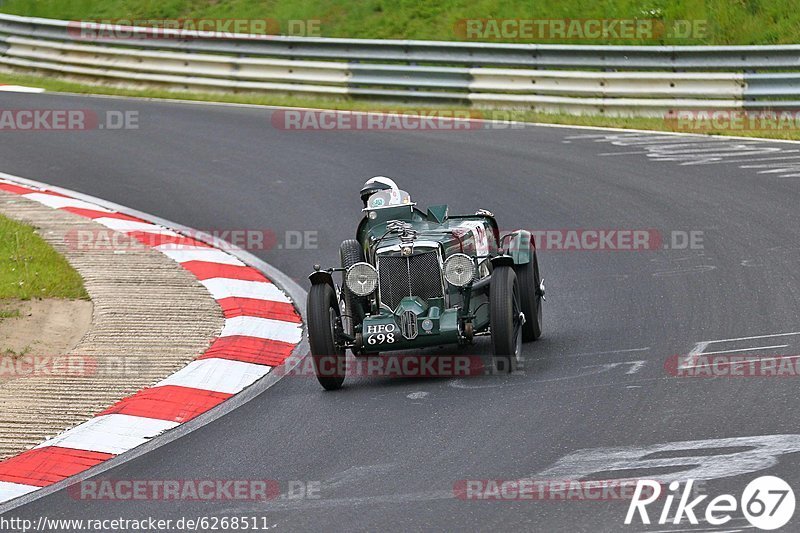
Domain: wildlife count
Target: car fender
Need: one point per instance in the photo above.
(322, 276)
(502, 260)
(518, 245)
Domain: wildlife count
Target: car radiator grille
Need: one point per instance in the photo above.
(415, 275)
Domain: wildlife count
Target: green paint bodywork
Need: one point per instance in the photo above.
(518, 246)
(444, 327)
(450, 234)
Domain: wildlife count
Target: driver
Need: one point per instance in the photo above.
(377, 184)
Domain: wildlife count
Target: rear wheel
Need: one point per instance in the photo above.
(323, 320)
(531, 294)
(506, 318)
(355, 307)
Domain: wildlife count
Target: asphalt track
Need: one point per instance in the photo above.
(387, 452)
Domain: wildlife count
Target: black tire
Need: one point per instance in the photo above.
(529, 282)
(323, 314)
(355, 307)
(505, 307)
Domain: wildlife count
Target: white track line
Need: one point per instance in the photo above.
(746, 361)
(755, 337)
(692, 356)
(747, 349)
(20, 89)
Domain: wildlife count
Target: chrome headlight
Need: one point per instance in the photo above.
(362, 279)
(459, 270)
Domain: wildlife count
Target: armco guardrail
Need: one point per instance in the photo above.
(614, 80)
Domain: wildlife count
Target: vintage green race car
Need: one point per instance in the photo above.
(415, 279)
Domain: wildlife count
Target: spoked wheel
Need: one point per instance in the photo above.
(323, 322)
(531, 291)
(507, 318)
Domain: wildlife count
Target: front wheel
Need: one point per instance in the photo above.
(323, 322)
(506, 318)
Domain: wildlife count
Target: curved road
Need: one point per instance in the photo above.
(387, 452)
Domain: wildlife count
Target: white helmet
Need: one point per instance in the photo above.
(377, 184)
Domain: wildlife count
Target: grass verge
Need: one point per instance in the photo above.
(345, 103)
(31, 268)
(721, 21)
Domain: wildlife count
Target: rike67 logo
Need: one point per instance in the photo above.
(767, 503)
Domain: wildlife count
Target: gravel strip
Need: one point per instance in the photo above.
(151, 317)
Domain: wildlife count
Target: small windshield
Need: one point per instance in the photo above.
(390, 198)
